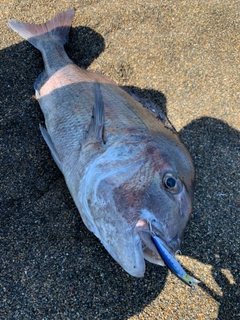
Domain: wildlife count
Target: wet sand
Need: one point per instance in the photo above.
(184, 56)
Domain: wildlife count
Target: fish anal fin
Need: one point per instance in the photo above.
(95, 130)
(49, 142)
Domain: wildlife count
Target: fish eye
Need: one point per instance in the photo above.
(172, 183)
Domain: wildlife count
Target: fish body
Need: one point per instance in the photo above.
(172, 263)
(121, 164)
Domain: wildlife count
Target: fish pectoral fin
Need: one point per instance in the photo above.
(95, 131)
(49, 142)
(41, 79)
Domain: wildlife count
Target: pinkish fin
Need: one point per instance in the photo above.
(41, 79)
(57, 28)
(49, 142)
(95, 131)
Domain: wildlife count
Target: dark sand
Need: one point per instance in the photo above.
(185, 56)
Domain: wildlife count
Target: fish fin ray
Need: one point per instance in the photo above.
(49, 142)
(150, 105)
(95, 131)
(41, 79)
(57, 28)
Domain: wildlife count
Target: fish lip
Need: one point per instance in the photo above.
(149, 250)
(145, 233)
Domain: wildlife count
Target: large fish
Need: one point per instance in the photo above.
(122, 165)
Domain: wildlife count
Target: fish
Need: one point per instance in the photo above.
(122, 165)
(173, 264)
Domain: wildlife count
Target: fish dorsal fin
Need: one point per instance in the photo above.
(148, 103)
(95, 131)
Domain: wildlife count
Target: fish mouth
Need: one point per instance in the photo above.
(150, 252)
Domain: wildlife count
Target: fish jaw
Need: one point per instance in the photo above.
(129, 253)
(150, 251)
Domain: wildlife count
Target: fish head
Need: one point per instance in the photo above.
(136, 185)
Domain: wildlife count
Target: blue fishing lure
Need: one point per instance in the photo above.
(172, 263)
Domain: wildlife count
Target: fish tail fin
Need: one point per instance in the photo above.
(56, 29)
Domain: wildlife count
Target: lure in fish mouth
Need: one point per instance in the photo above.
(172, 263)
(156, 250)
(122, 165)
(169, 259)
(149, 249)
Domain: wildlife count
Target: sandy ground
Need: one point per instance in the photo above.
(185, 56)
